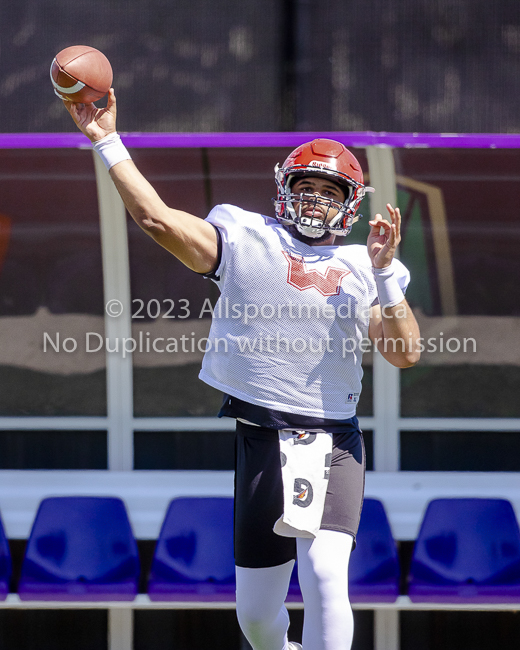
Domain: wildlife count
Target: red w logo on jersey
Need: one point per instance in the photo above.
(328, 283)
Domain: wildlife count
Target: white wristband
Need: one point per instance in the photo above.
(388, 289)
(111, 150)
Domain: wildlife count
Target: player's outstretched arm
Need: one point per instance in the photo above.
(192, 240)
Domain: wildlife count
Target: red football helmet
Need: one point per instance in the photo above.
(329, 159)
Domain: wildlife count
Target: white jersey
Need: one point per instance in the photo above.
(291, 324)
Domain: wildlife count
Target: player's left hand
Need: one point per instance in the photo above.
(382, 247)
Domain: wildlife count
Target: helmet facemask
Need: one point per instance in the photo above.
(316, 226)
(327, 159)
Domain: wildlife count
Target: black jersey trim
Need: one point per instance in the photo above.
(233, 407)
(212, 275)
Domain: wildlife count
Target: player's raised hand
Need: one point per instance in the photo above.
(94, 122)
(382, 247)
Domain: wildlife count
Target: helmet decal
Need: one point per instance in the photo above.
(321, 163)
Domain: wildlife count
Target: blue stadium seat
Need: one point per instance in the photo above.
(80, 548)
(5, 564)
(467, 550)
(193, 559)
(374, 571)
(294, 595)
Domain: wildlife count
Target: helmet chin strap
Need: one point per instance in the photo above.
(310, 226)
(311, 232)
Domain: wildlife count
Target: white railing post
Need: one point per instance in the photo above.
(386, 384)
(120, 629)
(116, 281)
(386, 377)
(386, 629)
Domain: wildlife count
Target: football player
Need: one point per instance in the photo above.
(304, 310)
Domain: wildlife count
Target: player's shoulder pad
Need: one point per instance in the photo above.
(358, 254)
(226, 215)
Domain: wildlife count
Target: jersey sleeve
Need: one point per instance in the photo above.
(362, 258)
(229, 221)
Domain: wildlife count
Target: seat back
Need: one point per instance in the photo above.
(196, 541)
(466, 547)
(80, 547)
(5, 564)
(194, 557)
(374, 571)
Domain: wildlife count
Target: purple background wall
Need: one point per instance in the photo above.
(273, 65)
